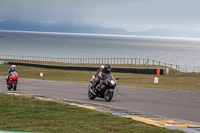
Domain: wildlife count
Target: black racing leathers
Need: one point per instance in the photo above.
(11, 70)
(96, 79)
(100, 74)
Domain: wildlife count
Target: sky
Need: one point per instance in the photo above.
(131, 15)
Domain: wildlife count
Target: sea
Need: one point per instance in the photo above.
(177, 51)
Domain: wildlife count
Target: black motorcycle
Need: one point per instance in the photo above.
(105, 89)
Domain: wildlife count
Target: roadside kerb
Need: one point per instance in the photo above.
(151, 119)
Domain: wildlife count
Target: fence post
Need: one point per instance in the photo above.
(139, 61)
(135, 60)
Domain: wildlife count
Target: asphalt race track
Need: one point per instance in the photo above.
(179, 104)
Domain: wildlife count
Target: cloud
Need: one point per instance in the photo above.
(59, 10)
(45, 10)
(129, 14)
(154, 13)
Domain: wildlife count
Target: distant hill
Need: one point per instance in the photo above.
(92, 29)
(169, 33)
(58, 27)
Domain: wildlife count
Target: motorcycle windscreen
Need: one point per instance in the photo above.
(110, 77)
(14, 75)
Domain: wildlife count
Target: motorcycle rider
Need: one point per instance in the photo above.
(101, 73)
(12, 69)
(107, 69)
(100, 69)
(96, 79)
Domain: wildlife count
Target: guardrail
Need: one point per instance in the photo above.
(158, 71)
(134, 61)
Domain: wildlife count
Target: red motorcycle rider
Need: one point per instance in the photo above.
(12, 69)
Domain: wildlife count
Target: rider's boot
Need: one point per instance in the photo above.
(6, 81)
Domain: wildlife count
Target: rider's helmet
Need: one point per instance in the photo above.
(13, 67)
(102, 67)
(107, 68)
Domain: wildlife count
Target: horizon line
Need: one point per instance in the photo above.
(98, 34)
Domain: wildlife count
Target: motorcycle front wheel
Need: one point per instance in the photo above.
(8, 87)
(14, 84)
(90, 95)
(108, 96)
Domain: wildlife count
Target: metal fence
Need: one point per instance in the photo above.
(189, 69)
(134, 61)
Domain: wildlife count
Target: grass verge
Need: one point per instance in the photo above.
(20, 113)
(175, 79)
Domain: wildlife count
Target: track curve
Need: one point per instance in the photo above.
(180, 104)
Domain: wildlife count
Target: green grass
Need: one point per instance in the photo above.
(175, 79)
(19, 113)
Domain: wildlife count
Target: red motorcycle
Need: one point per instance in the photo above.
(13, 81)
